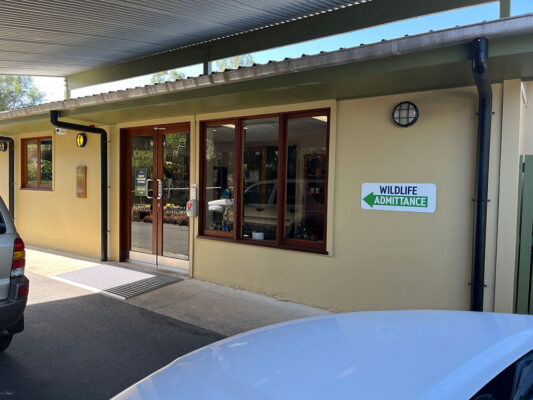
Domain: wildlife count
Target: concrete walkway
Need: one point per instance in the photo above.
(217, 308)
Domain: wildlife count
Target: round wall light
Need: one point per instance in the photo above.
(81, 140)
(405, 114)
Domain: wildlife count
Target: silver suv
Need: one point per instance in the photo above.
(14, 286)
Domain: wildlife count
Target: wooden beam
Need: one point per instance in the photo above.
(505, 8)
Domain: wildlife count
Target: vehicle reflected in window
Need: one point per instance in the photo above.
(219, 179)
(251, 165)
(306, 178)
(260, 177)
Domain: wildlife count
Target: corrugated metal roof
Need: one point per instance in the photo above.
(509, 27)
(62, 37)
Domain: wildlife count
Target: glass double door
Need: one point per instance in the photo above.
(158, 194)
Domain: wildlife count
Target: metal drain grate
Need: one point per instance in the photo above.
(118, 282)
(147, 285)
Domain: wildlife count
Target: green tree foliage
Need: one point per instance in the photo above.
(245, 60)
(166, 76)
(18, 91)
(46, 162)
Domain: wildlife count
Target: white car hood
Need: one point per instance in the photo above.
(364, 355)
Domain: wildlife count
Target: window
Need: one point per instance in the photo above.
(3, 226)
(264, 179)
(514, 382)
(260, 178)
(37, 163)
(219, 178)
(306, 179)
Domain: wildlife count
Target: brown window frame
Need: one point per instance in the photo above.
(281, 241)
(24, 171)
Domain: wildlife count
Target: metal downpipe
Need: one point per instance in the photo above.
(480, 69)
(54, 115)
(11, 150)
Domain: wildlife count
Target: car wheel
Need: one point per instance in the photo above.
(5, 340)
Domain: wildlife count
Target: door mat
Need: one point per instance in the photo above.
(118, 282)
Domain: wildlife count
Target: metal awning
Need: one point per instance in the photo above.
(94, 41)
(432, 60)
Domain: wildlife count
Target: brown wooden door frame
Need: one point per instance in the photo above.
(127, 135)
(157, 134)
(158, 164)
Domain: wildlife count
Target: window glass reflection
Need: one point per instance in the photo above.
(31, 163)
(175, 194)
(141, 203)
(306, 178)
(260, 178)
(219, 179)
(46, 162)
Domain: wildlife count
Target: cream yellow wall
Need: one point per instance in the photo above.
(57, 219)
(528, 134)
(381, 260)
(376, 260)
(512, 147)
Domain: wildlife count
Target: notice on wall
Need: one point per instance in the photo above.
(81, 182)
(408, 197)
(140, 182)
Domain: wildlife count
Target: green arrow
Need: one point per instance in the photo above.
(370, 199)
(387, 200)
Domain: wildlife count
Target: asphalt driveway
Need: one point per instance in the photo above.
(80, 345)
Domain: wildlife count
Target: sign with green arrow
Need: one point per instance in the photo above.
(410, 197)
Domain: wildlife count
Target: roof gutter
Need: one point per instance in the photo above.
(54, 115)
(480, 69)
(11, 150)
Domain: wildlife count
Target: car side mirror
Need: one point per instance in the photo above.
(3, 228)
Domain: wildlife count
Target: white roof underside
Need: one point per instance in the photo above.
(62, 37)
(77, 37)
(503, 28)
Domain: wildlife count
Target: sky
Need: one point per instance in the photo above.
(54, 87)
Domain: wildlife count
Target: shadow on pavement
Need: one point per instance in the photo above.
(91, 347)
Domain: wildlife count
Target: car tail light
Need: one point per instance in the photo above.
(19, 258)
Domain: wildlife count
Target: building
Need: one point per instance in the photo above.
(300, 170)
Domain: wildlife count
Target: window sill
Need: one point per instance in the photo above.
(37, 189)
(265, 243)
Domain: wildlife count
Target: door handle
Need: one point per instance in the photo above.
(147, 182)
(159, 189)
